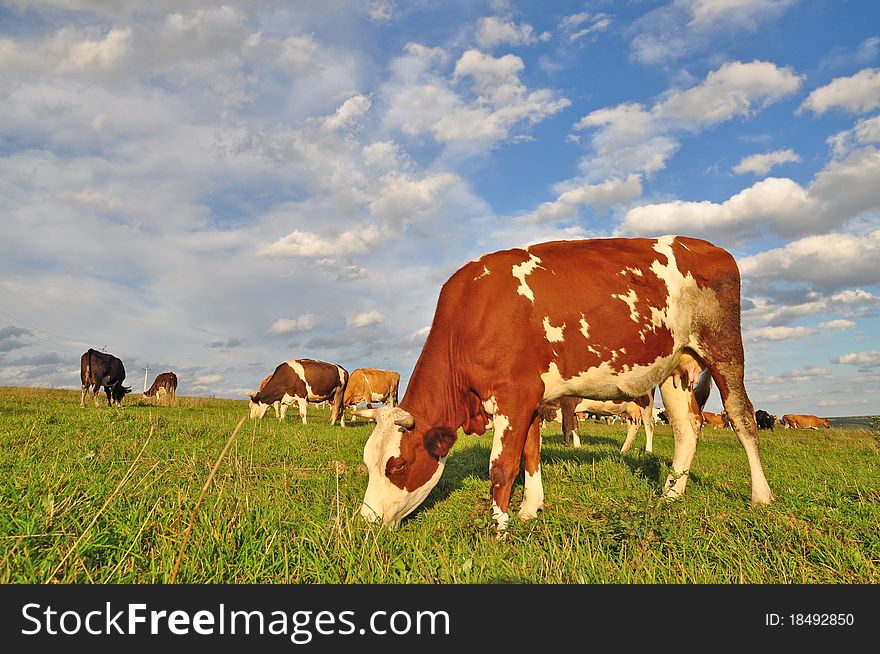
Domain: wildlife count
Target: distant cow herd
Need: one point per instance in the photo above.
(564, 330)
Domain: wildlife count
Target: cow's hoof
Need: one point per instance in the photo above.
(530, 513)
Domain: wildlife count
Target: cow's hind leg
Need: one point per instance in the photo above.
(731, 386)
(686, 422)
(567, 405)
(533, 493)
(632, 428)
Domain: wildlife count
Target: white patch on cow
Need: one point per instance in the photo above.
(521, 271)
(603, 382)
(341, 376)
(585, 328)
(483, 274)
(671, 316)
(575, 438)
(298, 369)
(554, 334)
(630, 299)
(500, 424)
(533, 496)
(632, 271)
(501, 518)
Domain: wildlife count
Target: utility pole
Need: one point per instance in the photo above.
(145, 378)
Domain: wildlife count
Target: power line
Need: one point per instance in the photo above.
(40, 329)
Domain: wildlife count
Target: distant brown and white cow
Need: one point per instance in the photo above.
(633, 413)
(371, 385)
(804, 421)
(302, 381)
(164, 387)
(606, 319)
(714, 419)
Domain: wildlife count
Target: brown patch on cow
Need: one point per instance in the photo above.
(412, 469)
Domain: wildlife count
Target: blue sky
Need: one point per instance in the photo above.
(215, 188)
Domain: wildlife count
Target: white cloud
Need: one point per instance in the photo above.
(366, 319)
(305, 323)
(347, 114)
(399, 199)
(865, 360)
(632, 138)
(421, 101)
(778, 204)
(577, 26)
(381, 11)
(609, 192)
(845, 189)
(857, 94)
(760, 164)
(778, 333)
(865, 132)
(837, 325)
(683, 27)
(832, 261)
(308, 244)
(493, 31)
(206, 380)
(850, 302)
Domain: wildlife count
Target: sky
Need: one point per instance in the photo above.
(216, 188)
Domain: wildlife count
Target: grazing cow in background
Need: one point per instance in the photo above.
(371, 385)
(765, 420)
(804, 421)
(714, 419)
(165, 385)
(303, 381)
(97, 369)
(605, 319)
(255, 408)
(569, 409)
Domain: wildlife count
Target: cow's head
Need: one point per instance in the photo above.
(119, 392)
(404, 461)
(256, 408)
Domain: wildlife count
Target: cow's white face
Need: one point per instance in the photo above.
(257, 409)
(403, 466)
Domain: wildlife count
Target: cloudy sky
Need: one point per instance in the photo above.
(215, 188)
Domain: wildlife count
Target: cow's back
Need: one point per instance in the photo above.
(607, 305)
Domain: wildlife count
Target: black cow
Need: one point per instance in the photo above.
(765, 420)
(98, 369)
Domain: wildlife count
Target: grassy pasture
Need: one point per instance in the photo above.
(106, 496)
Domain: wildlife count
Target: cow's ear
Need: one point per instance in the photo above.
(439, 440)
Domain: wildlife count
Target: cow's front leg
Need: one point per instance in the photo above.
(508, 442)
(533, 494)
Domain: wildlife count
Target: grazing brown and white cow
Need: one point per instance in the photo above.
(255, 408)
(714, 419)
(97, 369)
(633, 413)
(606, 319)
(164, 387)
(371, 385)
(302, 381)
(804, 421)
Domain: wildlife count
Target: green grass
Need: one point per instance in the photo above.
(81, 503)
